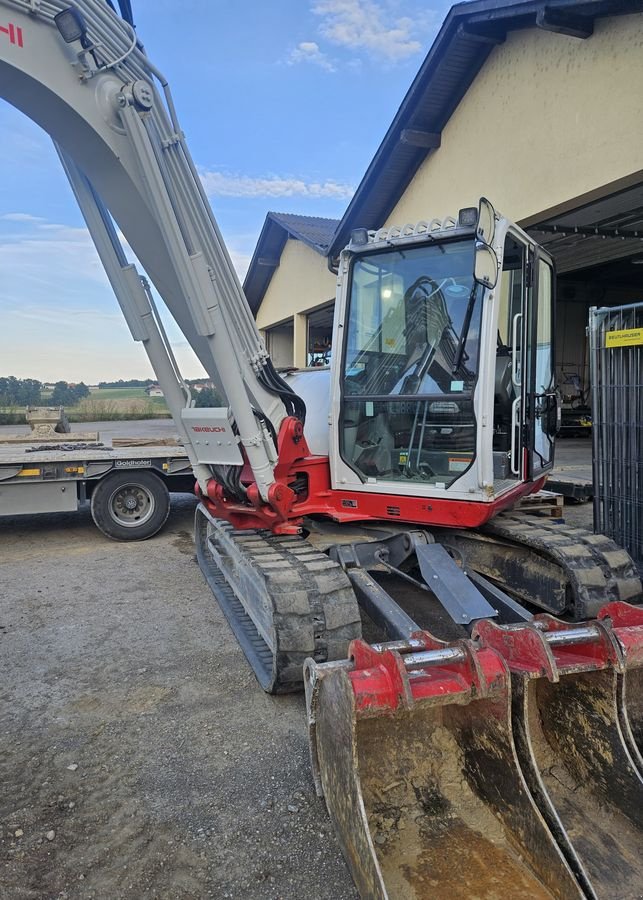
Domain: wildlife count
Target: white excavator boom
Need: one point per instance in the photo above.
(81, 74)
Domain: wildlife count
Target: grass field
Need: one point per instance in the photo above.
(119, 393)
(109, 405)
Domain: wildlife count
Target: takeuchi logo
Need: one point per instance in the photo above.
(13, 32)
(211, 428)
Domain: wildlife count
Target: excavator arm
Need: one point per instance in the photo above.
(82, 75)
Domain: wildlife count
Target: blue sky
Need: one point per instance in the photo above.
(283, 103)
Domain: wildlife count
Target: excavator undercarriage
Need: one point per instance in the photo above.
(461, 751)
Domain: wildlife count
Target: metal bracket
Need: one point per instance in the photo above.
(459, 596)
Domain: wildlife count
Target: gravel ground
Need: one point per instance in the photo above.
(138, 756)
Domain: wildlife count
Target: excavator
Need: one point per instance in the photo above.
(473, 675)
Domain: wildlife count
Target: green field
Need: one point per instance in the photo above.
(111, 404)
(119, 393)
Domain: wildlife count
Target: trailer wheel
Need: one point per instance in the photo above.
(130, 506)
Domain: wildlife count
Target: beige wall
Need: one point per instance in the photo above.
(548, 118)
(300, 283)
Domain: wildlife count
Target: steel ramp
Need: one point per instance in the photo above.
(575, 747)
(412, 747)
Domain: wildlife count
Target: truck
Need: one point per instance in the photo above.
(487, 740)
(127, 482)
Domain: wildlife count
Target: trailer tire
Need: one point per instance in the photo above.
(130, 506)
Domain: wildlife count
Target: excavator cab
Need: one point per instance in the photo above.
(443, 383)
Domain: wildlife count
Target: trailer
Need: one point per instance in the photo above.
(127, 485)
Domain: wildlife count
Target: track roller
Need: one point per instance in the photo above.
(412, 747)
(574, 742)
(284, 600)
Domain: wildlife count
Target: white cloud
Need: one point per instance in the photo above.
(58, 314)
(219, 184)
(368, 25)
(46, 255)
(21, 217)
(309, 52)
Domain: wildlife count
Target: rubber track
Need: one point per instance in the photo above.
(307, 604)
(598, 569)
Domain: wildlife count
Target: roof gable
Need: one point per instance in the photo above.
(467, 37)
(314, 231)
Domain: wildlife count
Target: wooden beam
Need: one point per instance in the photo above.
(430, 140)
(563, 22)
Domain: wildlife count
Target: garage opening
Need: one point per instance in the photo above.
(598, 251)
(320, 335)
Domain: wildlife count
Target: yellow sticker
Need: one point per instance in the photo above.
(626, 338)
(29, 472)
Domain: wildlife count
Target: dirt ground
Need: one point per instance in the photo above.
(138, 756)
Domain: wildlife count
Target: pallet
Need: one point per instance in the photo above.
(547, 504)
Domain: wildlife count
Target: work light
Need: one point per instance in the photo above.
(468, 217)
(71, 25)
(359, 237)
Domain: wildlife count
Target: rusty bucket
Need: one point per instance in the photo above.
(626, 623)
(412, 748)
(575, 744)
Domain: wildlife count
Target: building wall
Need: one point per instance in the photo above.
(300, 283)
(548, 119)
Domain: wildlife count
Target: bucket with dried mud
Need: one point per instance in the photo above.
(412, 748)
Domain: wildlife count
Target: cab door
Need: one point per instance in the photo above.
(540, 408)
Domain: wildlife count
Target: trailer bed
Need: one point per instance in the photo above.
(128, 485)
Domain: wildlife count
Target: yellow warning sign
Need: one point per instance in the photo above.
(626, 338)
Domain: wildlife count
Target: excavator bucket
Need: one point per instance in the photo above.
(626, 622)
(412, 747)
(575, 739)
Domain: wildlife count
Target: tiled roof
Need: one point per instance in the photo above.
(314, 231)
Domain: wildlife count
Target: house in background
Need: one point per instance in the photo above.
(153, 390)
(291, 290)
(535, 104)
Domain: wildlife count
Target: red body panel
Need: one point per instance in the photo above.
(285, 511)
(381, 683)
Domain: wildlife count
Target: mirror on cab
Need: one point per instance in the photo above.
(486, 221)
(485, 269)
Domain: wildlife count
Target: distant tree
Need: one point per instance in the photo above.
(132, 382)
(19, 391)
(63, 395)
(80, 391)
(208, 397)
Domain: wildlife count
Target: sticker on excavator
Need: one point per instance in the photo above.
(412, 747)
(459, 464)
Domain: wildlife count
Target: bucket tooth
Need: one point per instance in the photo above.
(575, 747)
(412, 748)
